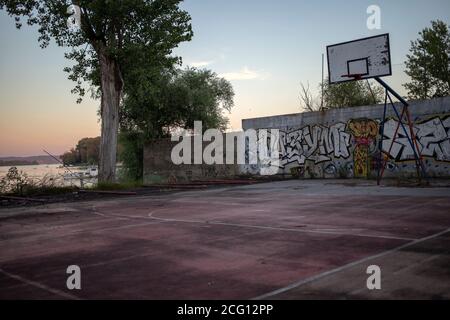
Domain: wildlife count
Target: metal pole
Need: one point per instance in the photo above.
(380, 158)
(394, 136)
(62, 163)
(388, 88)
(321, 104)
(411, 140)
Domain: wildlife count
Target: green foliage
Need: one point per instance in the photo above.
(15, 181)
(175, 99)
(342, 95)
(70, 157)
(160, 102)
(87, 151)
(112, 39)
(39, 190)
(352, 94)
(428, 63)
(126, 31)
(132, 155)
(18, 183)
(200, 95)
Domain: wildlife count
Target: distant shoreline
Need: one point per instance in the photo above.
(18, 163)
(26, 161)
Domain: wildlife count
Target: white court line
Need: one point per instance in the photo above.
(433, 257)
(310, 231)
(151, 216)
(347, 266)
(39, 285)
(34, 238)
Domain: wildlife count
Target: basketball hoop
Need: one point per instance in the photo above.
(359, 59)
(370, 58)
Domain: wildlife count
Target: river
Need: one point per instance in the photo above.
(58, 174)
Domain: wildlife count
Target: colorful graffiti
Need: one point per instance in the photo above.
(322, 144)
(433, 137)
(364, 133)
(334, 144)
(314, 143)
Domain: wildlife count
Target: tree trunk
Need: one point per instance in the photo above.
(111, 87)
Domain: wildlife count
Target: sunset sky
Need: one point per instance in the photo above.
(264, 47)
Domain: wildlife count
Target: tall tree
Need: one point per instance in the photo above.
(307, 100)
(110, 35)
(177, 99)
(85, 152)
(428, 63)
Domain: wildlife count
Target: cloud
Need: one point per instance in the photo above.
(199, 64)
(246, 74)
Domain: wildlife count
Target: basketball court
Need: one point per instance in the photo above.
(295, 239)
(279, 240)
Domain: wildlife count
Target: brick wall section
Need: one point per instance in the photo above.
(158, 166)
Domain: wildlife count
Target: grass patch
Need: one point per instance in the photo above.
(48, 190)
(33, 191)
(17, 183)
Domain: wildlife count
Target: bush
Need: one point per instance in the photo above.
(15, 181)
(131, 155)
(18, 183)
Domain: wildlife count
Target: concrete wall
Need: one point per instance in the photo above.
(343, 142)
(159, 168)
(333, 144)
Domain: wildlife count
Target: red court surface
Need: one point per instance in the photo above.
(280, 240)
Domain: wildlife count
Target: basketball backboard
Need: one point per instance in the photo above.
(359, 59)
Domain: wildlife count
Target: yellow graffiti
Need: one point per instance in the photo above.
(363, 128)
(360, 161)
(365, 133)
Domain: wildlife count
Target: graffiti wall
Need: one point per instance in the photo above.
(338, 143)
(346, 143)
(314, 143)
(433, 137)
